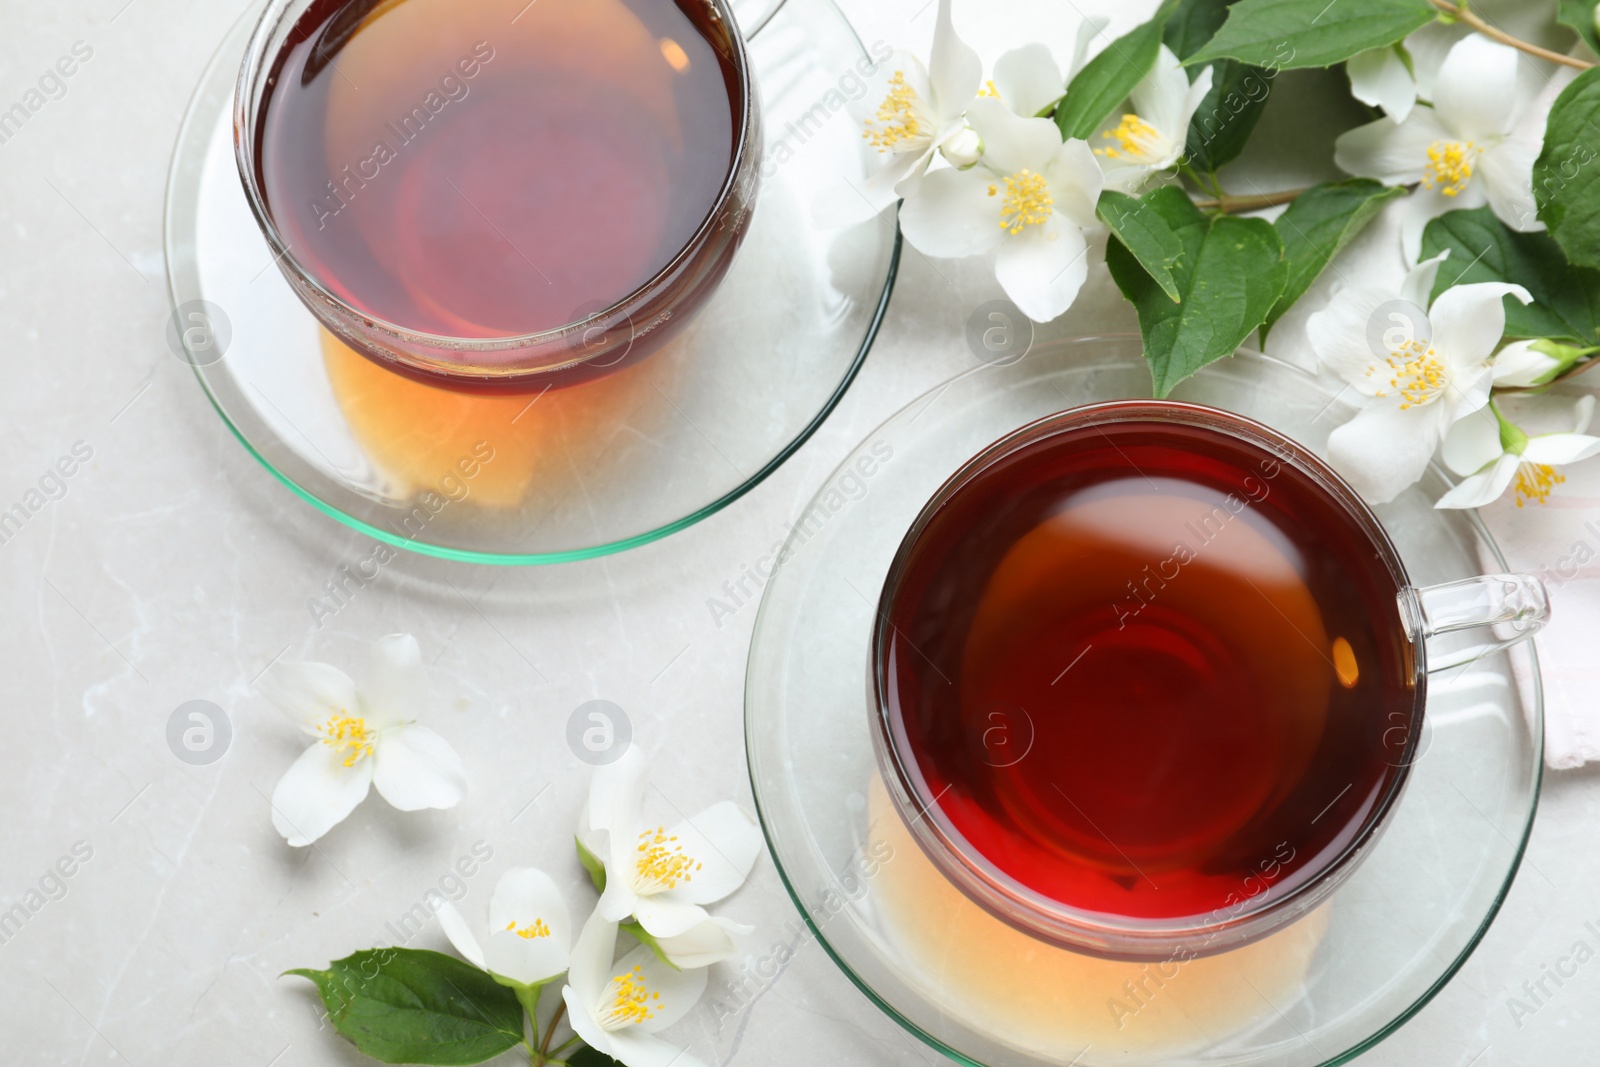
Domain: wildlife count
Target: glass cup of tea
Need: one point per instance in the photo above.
(498, 195)
(1148, 677)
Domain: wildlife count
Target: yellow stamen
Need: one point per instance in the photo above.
(528, 933)
(896, 121)
(1416, 373)
(662, 864)
(1450, 166)
(342, 731)
(1135, 138)
(989, 90)
(1535, 481)
(631, 1002)
(1028, 201)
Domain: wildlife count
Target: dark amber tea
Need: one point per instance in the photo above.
(496, 168)
(1145, 669)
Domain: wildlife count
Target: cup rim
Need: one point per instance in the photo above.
(1098, 933)
(245, 123)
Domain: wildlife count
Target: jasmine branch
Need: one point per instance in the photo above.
(1467, 18)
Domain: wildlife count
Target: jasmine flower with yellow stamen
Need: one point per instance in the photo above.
(1496, 455)
(1417, 371)
(1475, 145)
(1029, 201)
(1135, 145)
(618, 1007)
(364, 737)
(529, 935)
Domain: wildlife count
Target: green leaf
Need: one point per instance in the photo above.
(1192, 24)
(646, 938)
(584, 1056)
(1318, 226)
(1229, 275)
(1566, 179)
(1107, 79)
(1579, 15)
(402, 1005)
(1226, 118)
(592, 864)
(1566, 299)
(1145, 234)
(1291, 34)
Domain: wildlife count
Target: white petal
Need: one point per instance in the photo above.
(1348, 335)
(583, 1017)
(1043, 268)
(1028, 79)
(1470, 320)
(1012, 143)
(616, 794)
(1088, 30)
(724, 843)
(1506, 173)
(317, 792)
(1191, 104)
(1379, 77)
(662, 915)
(634, 1047)
(396, 688)
(529, 960)
(680, 990)
(954, 69)
(1472, 443)
(1395, 153)
(415, 768)
(311, 693)
(590, 966)
(954, 214)
(1560, 449)
(1519, 366)
(1159, 97)
(1383, 450)
(1476, 93)
(460, 935)
(525, 895)
(1418, 286)
(705, 944)
(1584, 413)
(1482, 488)
(1076, 182)
(1428, 47)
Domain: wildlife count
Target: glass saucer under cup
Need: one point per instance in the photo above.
(581, 471)
(1321, 991)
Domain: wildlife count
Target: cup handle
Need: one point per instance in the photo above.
(1517, 602)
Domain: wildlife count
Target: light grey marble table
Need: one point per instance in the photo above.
(171, 567)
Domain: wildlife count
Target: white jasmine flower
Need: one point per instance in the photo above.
(363, 737)
(1495, 456)
(665, 877)
(1151, 138)
(1030, 201)
(918, 110)
(1476, 145)
(618, 1008)
(530, 931)
(1418, 371)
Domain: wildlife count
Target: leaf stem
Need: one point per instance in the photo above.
(568, 1043)
(1466, 17)
(1236, 205)
(544, 1046)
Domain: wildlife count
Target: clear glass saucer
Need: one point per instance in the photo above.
(1320, 992)
(570, 473)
